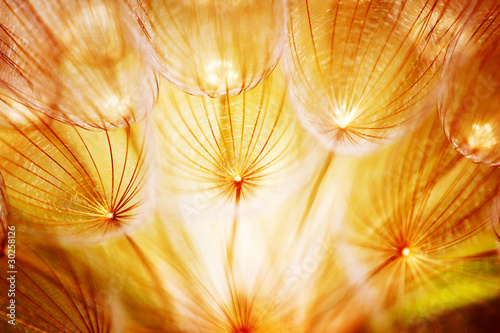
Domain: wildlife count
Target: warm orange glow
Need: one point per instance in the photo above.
(249, 166)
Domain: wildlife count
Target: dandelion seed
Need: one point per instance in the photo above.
(441, 21)
(76, 184)
(356, 78)
(468, 100)
(421, 234)
(74, 62)
(231, 149)
(213, 48)
(56, 292)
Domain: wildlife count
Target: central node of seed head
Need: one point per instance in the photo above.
(237, 178)
(405, 252)
(110, 215)
(344, 117)
(243, 330)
